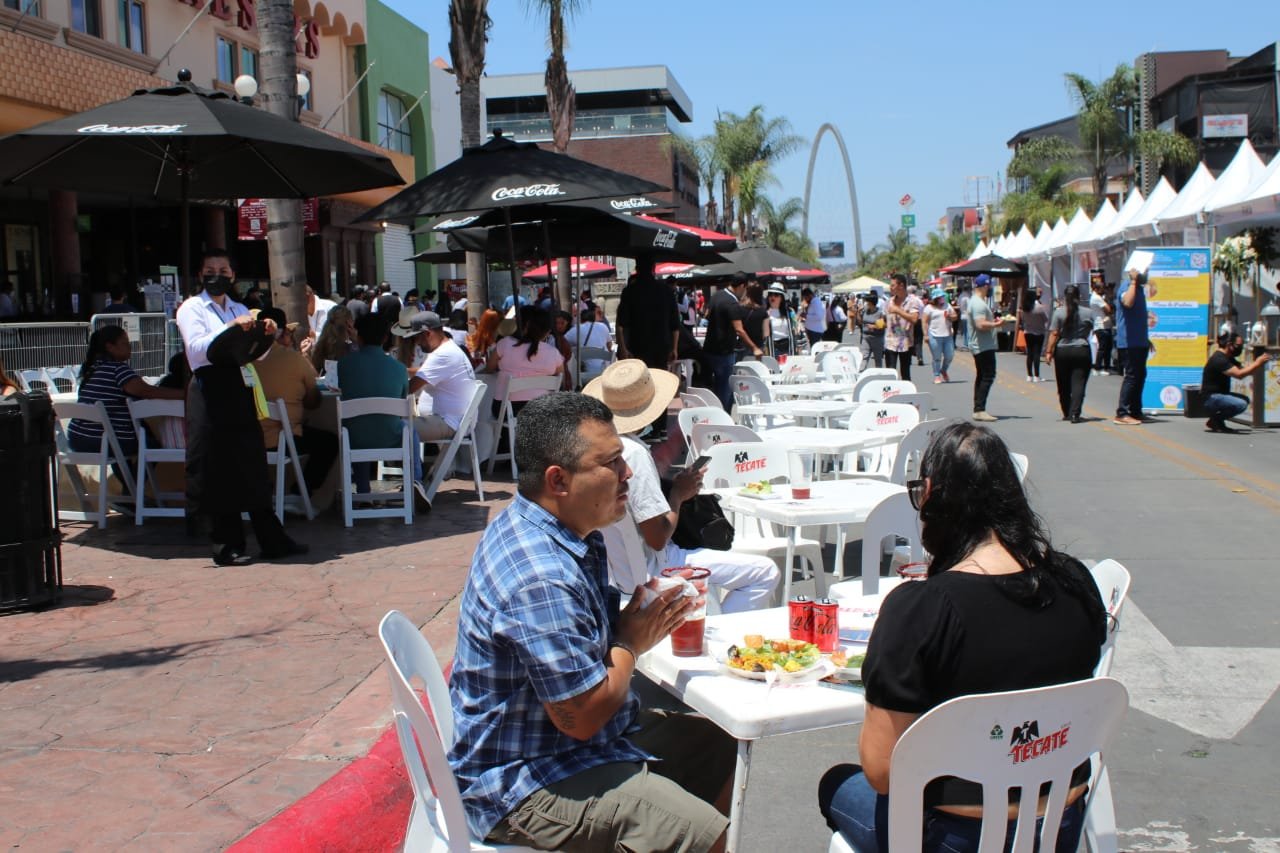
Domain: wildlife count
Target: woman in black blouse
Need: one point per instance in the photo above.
(1000, 610)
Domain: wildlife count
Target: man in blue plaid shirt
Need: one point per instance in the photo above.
(552, 750)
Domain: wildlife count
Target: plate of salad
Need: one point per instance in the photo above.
(759, 659)
(762, 490)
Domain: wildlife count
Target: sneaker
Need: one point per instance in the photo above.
(1097, 373)
(1031, 379)
(227, 555)
(1125, 420)
(937, 380)
(983, 416)
(945, 377)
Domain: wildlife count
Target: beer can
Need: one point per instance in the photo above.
(826, 625)
(800, 613)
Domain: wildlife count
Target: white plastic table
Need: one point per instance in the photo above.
(748, 710)
(813, 389)
(820, 410)
(835, 442)
(841, 502)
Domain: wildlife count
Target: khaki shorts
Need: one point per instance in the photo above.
(660, 805)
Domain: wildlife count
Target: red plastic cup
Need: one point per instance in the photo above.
(687, 638)
(913, 571)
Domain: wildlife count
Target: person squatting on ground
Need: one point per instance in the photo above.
(982, 325)
(552, 749)
(1215, 382)
(1000, 610)
(636, 395)
(1068, 352)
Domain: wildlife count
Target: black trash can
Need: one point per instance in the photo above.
(30, 543)
(1193, 402)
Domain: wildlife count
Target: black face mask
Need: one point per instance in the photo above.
(216, 285)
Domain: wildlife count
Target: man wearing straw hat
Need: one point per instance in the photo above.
(637, 394)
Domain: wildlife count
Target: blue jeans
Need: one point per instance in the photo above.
(721, 371)
(943, 350)
(852, 807)
(1223, 406)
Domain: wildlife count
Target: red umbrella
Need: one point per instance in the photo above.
(712, 240)
(673, 269)
(578, 267)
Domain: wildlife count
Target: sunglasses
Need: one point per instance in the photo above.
(915, 492)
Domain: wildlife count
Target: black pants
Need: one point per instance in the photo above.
(985, 365)
(1071, 369)
(1103, 361)
(1035, 346)
(321, 448)
(1133, 360)
(899, 360)
(227, 530)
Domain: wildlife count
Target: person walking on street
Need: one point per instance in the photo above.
(1068, 352)
(1133, 345)
(939, 317)
(1103, 331)
(1033, 319)
(1215, 383)
(917, 330)
(648, 326)
(724, 331)
(781, 321)
(870, 320)
(815, 316)
(982, 321)
(902, 312)
(962, 305)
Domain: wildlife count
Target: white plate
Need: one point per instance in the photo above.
(818, 670)
(760, 496)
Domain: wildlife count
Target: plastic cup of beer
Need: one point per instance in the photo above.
(800, 463)
(687, 638)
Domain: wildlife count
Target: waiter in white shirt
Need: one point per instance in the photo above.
(226, 461)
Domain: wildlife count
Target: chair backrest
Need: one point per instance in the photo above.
(65, 379)
(707, 396)
(541, 384)
(709, 435)
(750, 389)
(770, 364)
(1021, 739)
(873, 374)
(800, 368)
(471, 415)
(689, 418)
(1022, 463)
(823, 346)
(410, 656)
(751, 368)
(922, 400)
(400, 407)
(35, 380)
(93, 412)
(840, 366)
(884, 417)
(141, 409)
(735, 464)
(1113, 585)
(911, 450)
(893, 516)
(883, 389)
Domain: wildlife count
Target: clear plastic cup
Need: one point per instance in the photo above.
(687, 638)
(800, 463)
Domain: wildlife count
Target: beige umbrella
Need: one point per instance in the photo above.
(861, 284)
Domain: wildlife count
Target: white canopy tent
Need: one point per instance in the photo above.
(1075, 228)
(1114, 232)
(1100, 225)
(1185, 210)
(1037, 262)
(1258, 205)
(980, 250)
(1236, 180)
(1017, 247)
(1143, 222)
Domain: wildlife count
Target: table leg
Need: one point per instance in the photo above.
(789, 564)
(741, 769)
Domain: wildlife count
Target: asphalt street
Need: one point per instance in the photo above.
(1193, 516)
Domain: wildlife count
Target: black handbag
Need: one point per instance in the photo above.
(702, 524)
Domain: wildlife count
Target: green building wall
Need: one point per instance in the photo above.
(398, 52)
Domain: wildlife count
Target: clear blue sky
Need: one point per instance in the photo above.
(925, 94)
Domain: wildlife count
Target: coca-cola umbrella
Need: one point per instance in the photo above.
(181, 142)
(992, 265)
(578, 268)
(791, 275)
(579, 231)
(712, 240)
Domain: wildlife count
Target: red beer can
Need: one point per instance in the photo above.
(800, 611)
(826, 625)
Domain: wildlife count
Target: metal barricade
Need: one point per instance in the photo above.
(173, 339)
(149, 335)
(31, 346)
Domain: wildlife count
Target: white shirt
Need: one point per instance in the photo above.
(459, 305)
(200, 320)
(815, 317)
(448, 374)
(645, 500)
(593, 334)
(1098, 303)
(317, 320)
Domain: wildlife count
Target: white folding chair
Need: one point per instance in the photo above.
(893, 518)
(401, 454)
(800, 368)
(748, 389)
(437, 822)
(463, 436)
(879, 391)
(688, 418)
(707, 396)
(586, 357)
(872, 374)
(764, 461)
(709, 435)
(506, 417)
(149, 457)
(891, 418)
(65, 379)
(1113, 582)
(107, 454)
(922, 400)
(284, 456)
(972, 737)
(35, 380)
(840, 366)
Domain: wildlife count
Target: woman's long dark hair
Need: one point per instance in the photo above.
(1029, 300)
(1071, 299)
(974, 493)
(537, 325)
(98, 342)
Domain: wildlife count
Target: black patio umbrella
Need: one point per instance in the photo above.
(992, 265)
(756, 260)
(444, 254)
(180, 142)
(581, 231)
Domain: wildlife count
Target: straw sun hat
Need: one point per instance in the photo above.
(635, 394)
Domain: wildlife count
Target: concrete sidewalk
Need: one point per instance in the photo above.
(171, 705)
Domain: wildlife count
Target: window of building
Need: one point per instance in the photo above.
(225, 63)
(132, 15)
(392, 132)
(249, 61)
(86, 17)
(15, 5)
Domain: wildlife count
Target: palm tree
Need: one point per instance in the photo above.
(746, 149)
(939, 251)
(1044, 165)
(778, 233)
(278, 57)
(469, 24)
(702, 153)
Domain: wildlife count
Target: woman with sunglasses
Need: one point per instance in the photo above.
(1000, 610)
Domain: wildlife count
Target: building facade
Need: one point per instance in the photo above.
(64, 251)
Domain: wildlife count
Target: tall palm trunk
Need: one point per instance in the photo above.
(561, 108)
(279, 62)
(469, 24)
